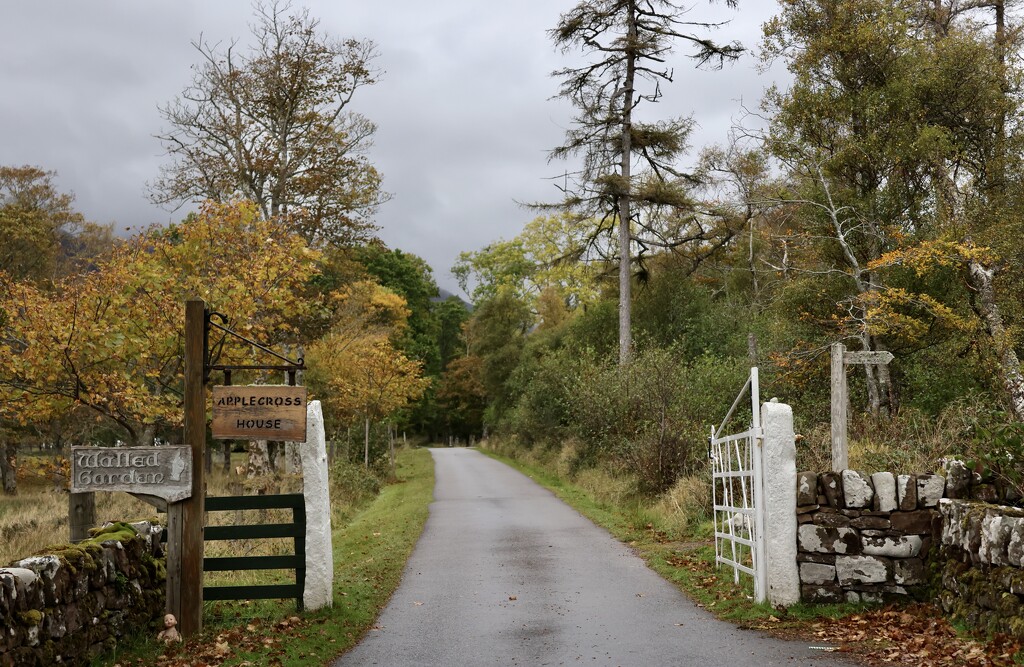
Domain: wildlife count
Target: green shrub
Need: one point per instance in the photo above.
(352, 484)
(652, 417)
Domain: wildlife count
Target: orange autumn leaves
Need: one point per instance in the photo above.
(356, 365)
(108, 343)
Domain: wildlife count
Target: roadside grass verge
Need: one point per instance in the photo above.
(370, 554)
(914, 633)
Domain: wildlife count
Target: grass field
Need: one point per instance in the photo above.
(38, 516)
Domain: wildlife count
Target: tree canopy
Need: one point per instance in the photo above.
(273, 123)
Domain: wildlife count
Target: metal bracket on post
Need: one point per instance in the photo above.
(290, 367)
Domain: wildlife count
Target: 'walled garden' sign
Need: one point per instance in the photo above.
(164, 472)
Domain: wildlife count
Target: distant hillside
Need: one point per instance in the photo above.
(443, 295)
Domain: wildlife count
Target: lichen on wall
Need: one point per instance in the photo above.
(864, 538)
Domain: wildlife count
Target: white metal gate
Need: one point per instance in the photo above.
(738, 493)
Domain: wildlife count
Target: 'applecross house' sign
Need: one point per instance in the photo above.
(164, 472)
(259, 412)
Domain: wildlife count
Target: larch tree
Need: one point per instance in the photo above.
(629, 181)
(274, 124)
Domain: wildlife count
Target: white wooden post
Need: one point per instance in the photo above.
(315, 490)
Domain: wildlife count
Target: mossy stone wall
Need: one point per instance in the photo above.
(74, 602)
(980, 559)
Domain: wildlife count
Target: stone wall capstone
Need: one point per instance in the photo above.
(68, 606)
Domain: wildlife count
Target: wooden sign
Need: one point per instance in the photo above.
(164, 472)
(259, 412)
(881, 358)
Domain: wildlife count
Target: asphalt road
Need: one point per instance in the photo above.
(507, 574)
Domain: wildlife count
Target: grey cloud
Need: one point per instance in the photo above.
(463, 109)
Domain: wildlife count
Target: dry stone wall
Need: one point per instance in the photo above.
(865, 537)
(69, 606)
(981, 556)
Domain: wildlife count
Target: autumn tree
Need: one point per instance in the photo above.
(274, 124)
(42, 236)
(890, 137)
(553, 252)
(852, 135)
(110, 342)
(976, 182)
(356, 367)
(630, 182)
(463, 396)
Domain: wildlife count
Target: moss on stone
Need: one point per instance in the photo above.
(118, 531)
(31, 617)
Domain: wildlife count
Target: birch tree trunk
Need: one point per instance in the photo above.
(391, 448)
(258, 464)
(983, 301)
(366, 442)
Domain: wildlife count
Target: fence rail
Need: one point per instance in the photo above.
(296, 561)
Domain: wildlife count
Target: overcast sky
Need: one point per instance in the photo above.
(464, 114)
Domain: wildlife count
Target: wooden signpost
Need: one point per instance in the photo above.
(841, 397)
(259, 412)
(185, 518)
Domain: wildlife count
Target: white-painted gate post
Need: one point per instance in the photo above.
(779, 466)
(319, 589)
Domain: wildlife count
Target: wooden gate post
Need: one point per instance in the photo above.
(186, 517)
(81, 515)
(840, 456)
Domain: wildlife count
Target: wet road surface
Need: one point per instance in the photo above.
(507, 574)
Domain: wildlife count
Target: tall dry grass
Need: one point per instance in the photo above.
(38, 516)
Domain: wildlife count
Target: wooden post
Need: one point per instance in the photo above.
(174, 544)
(366, 443)
(190, 616)
(81, 514)
(840, 456)
(841, 395)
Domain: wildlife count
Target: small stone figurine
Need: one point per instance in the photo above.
(170, 633)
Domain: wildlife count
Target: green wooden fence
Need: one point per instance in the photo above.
(296, 561)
